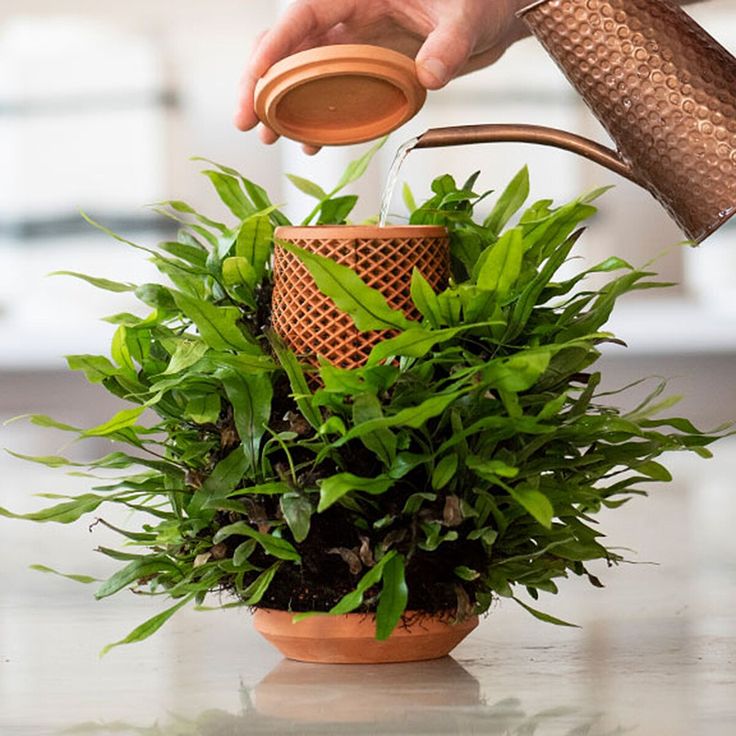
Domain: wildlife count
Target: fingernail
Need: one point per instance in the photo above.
(435, 68)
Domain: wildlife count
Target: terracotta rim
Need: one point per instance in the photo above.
(350, 638)
(359, 232)
(363, 119)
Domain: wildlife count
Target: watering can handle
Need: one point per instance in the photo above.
(514, 133)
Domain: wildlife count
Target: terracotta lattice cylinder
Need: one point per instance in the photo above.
(384, 257)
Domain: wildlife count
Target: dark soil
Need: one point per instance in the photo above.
(332, 564)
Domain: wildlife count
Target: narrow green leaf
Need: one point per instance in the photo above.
(500, 270)
(367, 306)
(122, 420)
(544, 616)
(511, 199)
(409, 202)
(203, 408)
(535, 502)
(50, 461)
(250, 395)
(355, 169)
(332, 489)
(156, 296)
(218, 326)
(264, 489)
(308, 187)
(414, 342)
(382, 442)
(354, 600)
(135, 570)
(415, 502)
(100, 283)
(115, 236)
(411, 416)
(237, 270)
(96, 367)
(42, 420)
(229, 191)
(243, 552)
(519, 372)
(654, 470)
(258, 195)
(274, 546)
(63, 513)
(84, 579)
(254, 593)
(187, 353)
(465, 573)
(254, 242)
(183, 207)
(195, 255)
(300, 390)
(393, 598)
(149, 627)
(227, 475)
(425, 299)
(444, 471)
(297, 510)
(335, 211)
(491, 469)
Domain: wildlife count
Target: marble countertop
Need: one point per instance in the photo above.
(209, 674)
(655, 654)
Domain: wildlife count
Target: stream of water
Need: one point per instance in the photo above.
(393, 178)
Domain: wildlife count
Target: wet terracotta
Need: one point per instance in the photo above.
(337, 95)
(350, 639)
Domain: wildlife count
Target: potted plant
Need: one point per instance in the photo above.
(460, 460)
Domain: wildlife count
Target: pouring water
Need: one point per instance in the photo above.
(393, 178)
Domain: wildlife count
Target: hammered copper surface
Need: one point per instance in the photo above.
(664, 90)
(385, 258)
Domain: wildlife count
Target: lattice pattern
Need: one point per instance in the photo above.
(311, 324)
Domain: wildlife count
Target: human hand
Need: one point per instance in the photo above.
(447, 37)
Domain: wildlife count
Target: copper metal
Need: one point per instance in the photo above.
(662, 87)
(512, 133)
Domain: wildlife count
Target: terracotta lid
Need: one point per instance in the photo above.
(335, 95)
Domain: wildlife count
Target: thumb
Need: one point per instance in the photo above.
(443, 54)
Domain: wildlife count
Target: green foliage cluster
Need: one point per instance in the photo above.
(465, 461)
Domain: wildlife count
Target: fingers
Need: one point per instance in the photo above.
(302, 20)
(245, 114)
(300, 27)
(444, 54)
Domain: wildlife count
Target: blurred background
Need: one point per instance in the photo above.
(102, 105)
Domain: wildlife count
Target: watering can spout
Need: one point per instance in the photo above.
(512, 133)
(662, 87)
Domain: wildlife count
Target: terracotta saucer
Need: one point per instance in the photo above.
(336, 95)
(350, 639)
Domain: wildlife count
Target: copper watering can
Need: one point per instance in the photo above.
(662, 87)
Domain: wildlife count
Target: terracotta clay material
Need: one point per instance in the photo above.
(337, 95)
(384, 257)
(350, 638)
